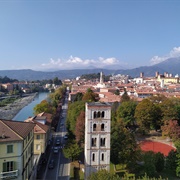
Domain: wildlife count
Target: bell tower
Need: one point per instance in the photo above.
(97, 137)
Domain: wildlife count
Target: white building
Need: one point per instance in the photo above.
(97, 137)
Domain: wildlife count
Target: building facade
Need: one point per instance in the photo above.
(16, 150)
(97, 137)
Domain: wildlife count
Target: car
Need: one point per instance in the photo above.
(65, 137)
(56, 150)
(58, 142)
(51, 164)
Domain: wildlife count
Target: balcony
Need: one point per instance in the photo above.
(9, 174)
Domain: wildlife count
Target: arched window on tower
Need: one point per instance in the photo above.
(102, 141)
(98, 114)
(93, 157)
(102, 127)
(93, 141)
(94, 114)
(102, 157)
(102, 114)
(94, 127)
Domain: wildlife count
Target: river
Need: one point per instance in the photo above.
(27, 111)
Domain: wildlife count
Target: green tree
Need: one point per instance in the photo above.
(103, 175)
(56, 81)
(114, 108)
(126, 112)
(90, 96)
(80, 128)
(125, 96)
(117, 92)
(124, 148)
(171, 160)
(74, 109)
(72, 150)
(147, 115)
(79, 96)
(149, 163)
(170, 108)
(159, 161)
(44, 106)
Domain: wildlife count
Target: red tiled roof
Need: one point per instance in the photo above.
(14, 130)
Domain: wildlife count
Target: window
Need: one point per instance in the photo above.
(94, 127)
(102, 127)
(98, 114)
(93, 157)
(94, 114)
(93, 141)
(102, 157)
(9, 148)
(102, 114)
(102, 143)
(8, 166)
(38, 147)
(38, 136)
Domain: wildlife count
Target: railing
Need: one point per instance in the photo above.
(9, 174)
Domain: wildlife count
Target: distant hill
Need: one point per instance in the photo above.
(171, 65)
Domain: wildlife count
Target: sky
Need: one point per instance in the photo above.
(74, 34)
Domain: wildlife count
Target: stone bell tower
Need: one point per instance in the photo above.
(97, 137)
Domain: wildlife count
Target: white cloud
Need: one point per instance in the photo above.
(175, 52)
(77, 63)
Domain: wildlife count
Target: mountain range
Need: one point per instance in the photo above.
(171, 65)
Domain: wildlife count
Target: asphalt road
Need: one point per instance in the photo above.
(61, 168)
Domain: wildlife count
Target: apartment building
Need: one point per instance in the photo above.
(16, 150)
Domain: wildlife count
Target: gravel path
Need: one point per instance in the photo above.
(9, 112)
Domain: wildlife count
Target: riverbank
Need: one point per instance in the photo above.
(9, 112)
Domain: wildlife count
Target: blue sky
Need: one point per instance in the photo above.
(69, 34)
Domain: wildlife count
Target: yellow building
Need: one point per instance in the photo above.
(16, 150)
(41, 137)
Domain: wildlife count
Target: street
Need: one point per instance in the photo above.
(60, 168)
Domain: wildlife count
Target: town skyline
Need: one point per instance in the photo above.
(51, 35)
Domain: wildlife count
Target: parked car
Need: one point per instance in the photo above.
(56, 150)
(51, 164)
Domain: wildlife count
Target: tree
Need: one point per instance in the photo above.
(103, 175)
(147, 115)
(159, 98)
(124, 148)
(125, 96)
(126, 112)
(90, 96)
(74, 109)
(80, 127)
(117, 92)
(72, 150)
(170, 108)
(149, 163)
(79, 96)
(159, 161)
(44, 106)
(171, 160)
(171, 128)
(114, 108)
(56, 81)
(177, 144)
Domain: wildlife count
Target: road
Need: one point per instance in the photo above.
(61, 168)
